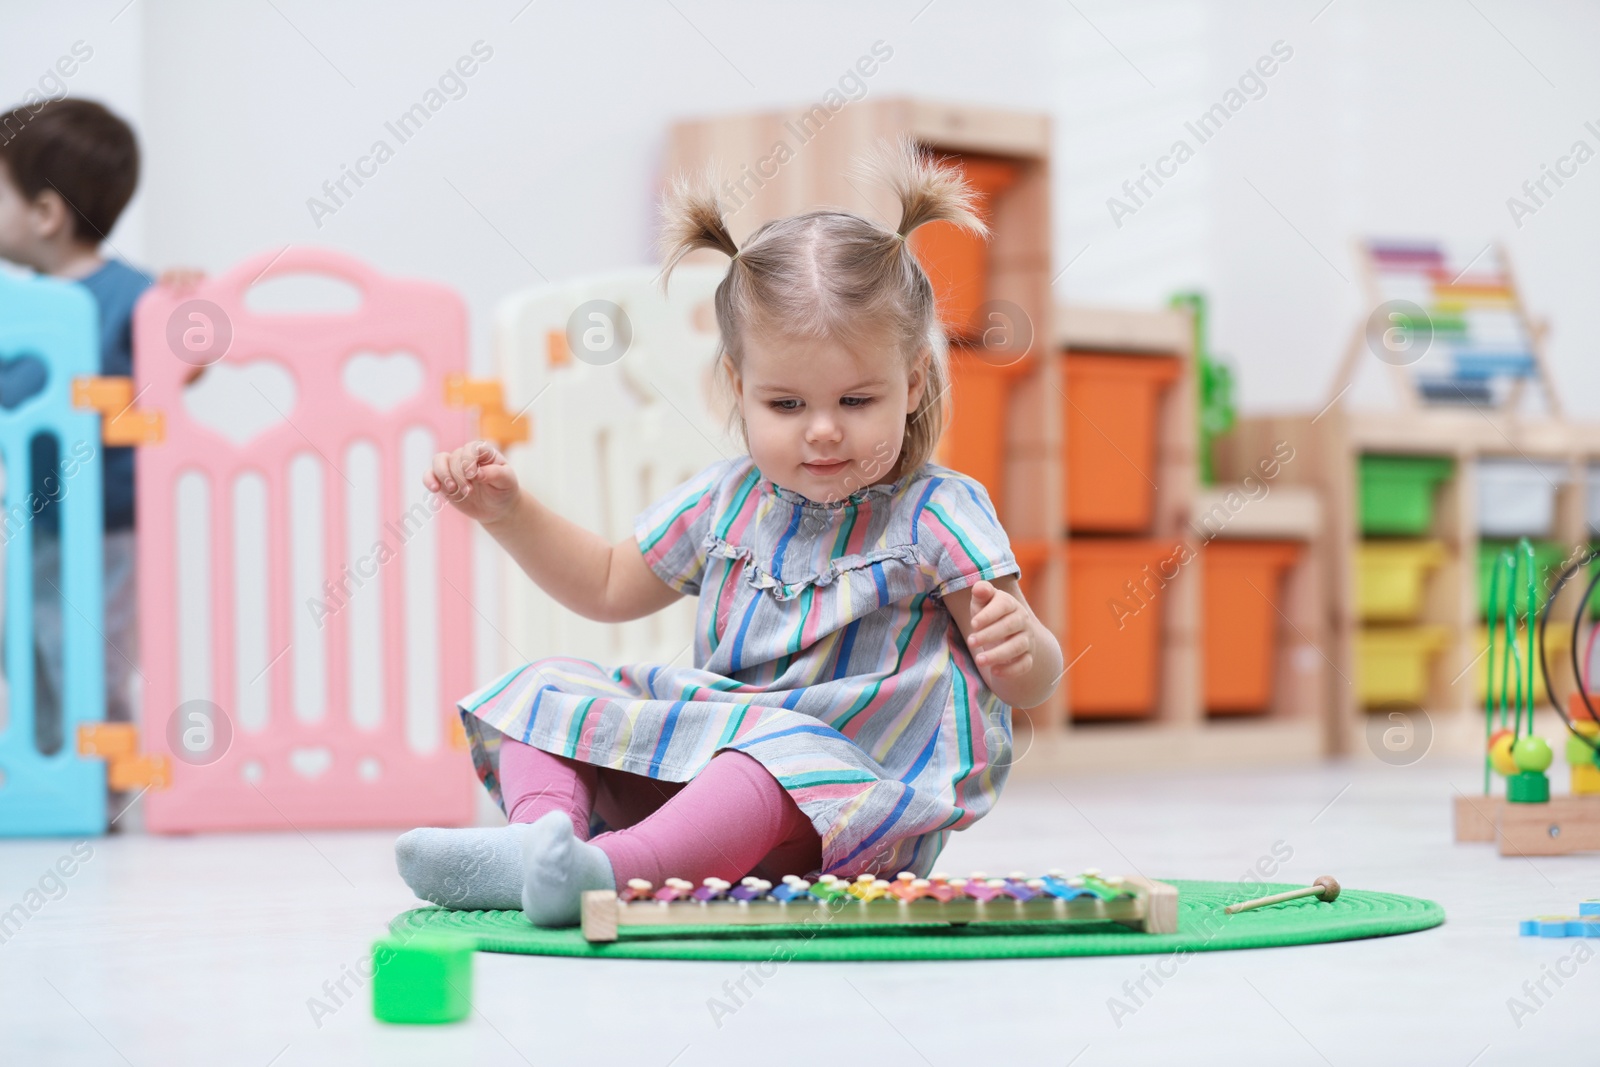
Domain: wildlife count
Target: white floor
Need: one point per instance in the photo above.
(208, 950)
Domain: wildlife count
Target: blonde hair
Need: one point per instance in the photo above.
(832, 275)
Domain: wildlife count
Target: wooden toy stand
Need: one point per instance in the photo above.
(330, 631)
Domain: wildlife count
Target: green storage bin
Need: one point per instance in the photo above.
(1397, 492)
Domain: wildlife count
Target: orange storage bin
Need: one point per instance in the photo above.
(1031, 558)
(1241, 590)
(1116, 631)
(1110, 413)
(974, 439)
(956, 260)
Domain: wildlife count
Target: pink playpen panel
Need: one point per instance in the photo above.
(260, 708)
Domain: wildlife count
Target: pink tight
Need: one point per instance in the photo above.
(730, 820)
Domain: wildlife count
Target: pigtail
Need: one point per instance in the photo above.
(691, 218)
(927, 190)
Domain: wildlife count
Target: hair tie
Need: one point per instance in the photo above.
(900, 235)
(735, 255)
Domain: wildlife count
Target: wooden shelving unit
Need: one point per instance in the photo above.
(1332, 445)
(1032, 482)
(1180, 732)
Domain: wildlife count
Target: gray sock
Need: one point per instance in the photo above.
(557, 869)
(475, 869)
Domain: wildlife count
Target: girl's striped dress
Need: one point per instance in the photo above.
(822, 649)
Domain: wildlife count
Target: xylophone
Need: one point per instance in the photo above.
(1139, 903)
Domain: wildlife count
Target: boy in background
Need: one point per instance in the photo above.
(67, 170)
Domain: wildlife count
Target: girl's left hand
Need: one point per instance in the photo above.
(999, 637)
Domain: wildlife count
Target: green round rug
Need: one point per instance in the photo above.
(1202, 927)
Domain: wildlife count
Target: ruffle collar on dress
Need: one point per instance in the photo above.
(780, 554)
(771, 488)
(759, 577)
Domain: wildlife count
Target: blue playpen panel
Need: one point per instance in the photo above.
(48, 335)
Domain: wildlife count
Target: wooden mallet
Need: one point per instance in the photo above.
(1325, 888)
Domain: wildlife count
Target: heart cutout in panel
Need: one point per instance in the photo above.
(22, 378)
(310, 763)
(382, 382)
(241, 401)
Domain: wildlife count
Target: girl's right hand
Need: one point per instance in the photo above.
(477, 479)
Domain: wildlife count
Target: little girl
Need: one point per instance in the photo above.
(860, 637)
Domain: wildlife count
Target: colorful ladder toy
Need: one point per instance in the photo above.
(1450, 332)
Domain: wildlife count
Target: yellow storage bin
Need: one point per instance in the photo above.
(1391, 577)
(1558, 645)
(1392, 663)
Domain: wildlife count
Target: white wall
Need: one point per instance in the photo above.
(1412, 119)
(35, 38)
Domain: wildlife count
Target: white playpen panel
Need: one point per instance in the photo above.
(610, 437)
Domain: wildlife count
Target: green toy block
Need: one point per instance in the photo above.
(1529, 787)
(426, 978)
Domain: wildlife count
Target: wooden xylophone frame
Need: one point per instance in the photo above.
(1149, 907)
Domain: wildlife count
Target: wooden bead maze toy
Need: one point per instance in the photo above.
(1090, 898)
(1528, 821)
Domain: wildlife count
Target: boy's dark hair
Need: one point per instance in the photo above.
(82, 151)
